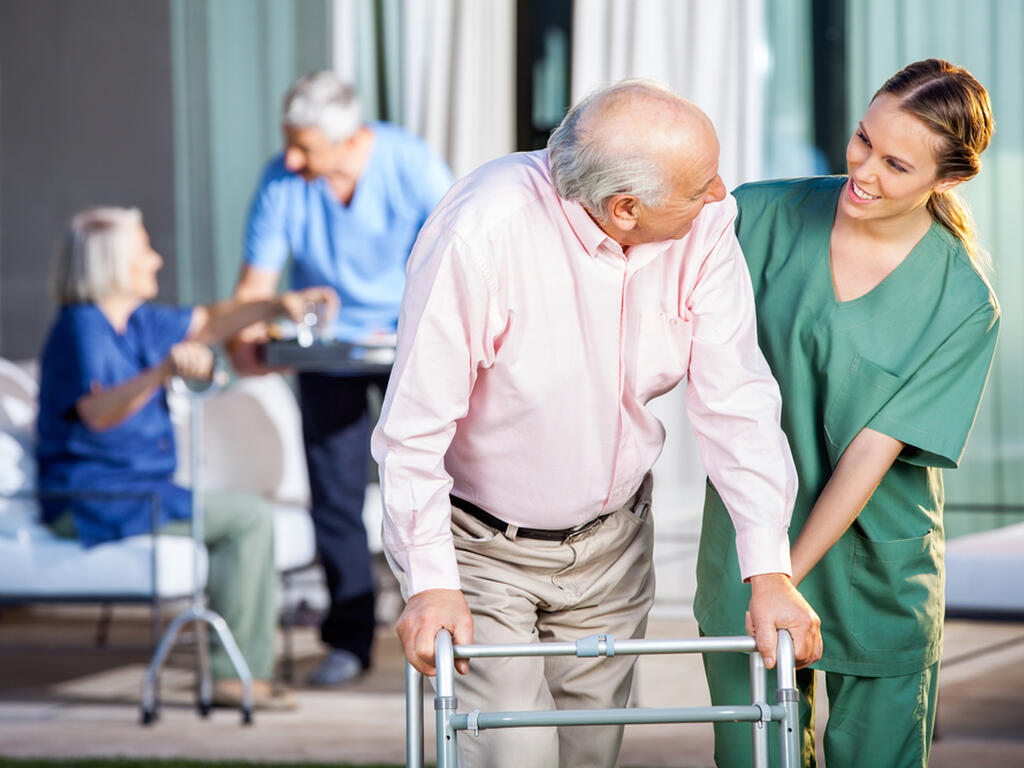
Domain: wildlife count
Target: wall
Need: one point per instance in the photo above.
(85, 119)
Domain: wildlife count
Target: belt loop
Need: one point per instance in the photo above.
(511, 531)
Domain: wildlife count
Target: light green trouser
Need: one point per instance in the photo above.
(876, 721)
(242, 584)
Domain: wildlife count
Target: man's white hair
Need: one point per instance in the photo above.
(588, 168)
(92, 262)
(323, 100)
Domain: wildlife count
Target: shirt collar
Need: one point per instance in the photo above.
(585, 228)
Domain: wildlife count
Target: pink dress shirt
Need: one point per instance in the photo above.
(528, 347)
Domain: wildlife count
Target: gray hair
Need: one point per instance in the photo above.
(322, 100)
(92, 262)
(588, 169)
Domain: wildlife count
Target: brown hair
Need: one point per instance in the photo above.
(956, 108)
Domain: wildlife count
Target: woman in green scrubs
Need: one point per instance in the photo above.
(880, 330)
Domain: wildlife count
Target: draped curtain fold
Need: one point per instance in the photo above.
(445, 69)
(715, 55)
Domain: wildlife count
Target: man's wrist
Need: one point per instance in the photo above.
(769, 581)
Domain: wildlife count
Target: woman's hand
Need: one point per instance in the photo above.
(190, 360)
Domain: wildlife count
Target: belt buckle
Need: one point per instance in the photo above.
(585, 528)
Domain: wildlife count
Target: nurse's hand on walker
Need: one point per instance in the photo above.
(775, 604)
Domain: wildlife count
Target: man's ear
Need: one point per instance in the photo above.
(945, 185)
(623, 211)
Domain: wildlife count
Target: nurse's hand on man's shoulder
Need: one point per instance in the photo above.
(425, 614)
(776, 604)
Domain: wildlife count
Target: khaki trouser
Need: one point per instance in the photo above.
(524, 590)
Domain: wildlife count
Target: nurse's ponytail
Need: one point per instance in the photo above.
(956, 108)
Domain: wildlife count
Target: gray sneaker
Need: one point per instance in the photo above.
(338, 668)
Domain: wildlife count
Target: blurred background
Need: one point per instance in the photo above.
(173, 106)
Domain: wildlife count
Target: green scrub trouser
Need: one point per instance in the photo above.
(876, 721)
(242, 583)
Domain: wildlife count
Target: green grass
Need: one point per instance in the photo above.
(146, 762)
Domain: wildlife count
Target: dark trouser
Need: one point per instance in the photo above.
(336, 433)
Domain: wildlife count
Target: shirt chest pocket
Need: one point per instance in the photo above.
(662, 353)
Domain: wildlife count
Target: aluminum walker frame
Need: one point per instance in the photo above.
(448, 722)
(197, 611)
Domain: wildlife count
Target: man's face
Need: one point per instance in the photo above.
(308, 152)
(694, 182)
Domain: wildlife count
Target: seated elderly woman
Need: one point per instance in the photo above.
(104, 424)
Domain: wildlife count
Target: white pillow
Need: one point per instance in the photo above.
(17, 465)
(18, 407)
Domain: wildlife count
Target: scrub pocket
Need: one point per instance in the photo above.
(863, 393)
(895, 593)
(663, 353)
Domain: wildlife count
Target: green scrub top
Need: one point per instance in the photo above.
(909, 359)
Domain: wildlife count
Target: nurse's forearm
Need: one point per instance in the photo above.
(858, 473)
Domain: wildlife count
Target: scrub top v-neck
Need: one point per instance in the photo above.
(910, 359)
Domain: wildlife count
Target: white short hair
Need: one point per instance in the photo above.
(92, 262)
(586, 170)
(322, 100)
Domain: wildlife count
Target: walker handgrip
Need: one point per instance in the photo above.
(218, 380)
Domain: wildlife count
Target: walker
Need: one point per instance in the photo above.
(197, 611)
(449, 722)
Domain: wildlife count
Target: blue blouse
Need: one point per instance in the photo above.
(136, 456)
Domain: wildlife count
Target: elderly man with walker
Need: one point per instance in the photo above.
(550, 297)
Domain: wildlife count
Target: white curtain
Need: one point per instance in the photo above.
(450, 62)
(715, 55)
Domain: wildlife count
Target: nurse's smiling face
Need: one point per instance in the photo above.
(891, 163)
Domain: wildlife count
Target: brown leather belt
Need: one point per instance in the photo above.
(544, 534)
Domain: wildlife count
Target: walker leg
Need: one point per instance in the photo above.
(149, 703)
(787, 695)
(237, 660)
(205, 676)
(444, 702)
(759, 694)
(413, 717)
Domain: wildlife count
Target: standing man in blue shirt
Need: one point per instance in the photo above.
(345, 200)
